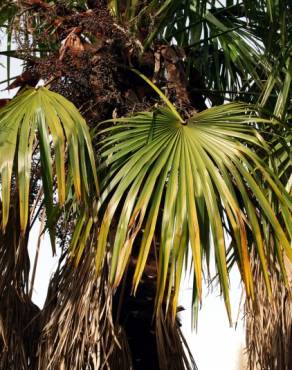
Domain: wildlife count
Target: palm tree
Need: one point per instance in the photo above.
(183, 152)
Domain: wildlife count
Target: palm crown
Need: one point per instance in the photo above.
(187, 150)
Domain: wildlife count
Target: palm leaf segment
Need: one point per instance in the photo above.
(45, 118)
(201, 181)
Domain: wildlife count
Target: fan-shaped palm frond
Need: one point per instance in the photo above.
(191, 176)
(35, 123)
(268, 322)
(221, 42)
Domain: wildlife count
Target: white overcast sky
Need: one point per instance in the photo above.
(215, 346)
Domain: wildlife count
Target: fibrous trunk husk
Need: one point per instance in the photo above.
(19, 328)
(269, 322)
(77, 327)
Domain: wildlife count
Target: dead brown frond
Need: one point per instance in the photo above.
(172, 348)
(269, 322)
(120, 358)
(18, 327)
(78, 331)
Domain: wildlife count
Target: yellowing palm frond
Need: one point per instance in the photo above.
(40, 116)
(187, 184)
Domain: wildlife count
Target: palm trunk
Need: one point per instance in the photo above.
(80, 327)
(102, 89)
(155, 341)
(19, 324)
(269, 322)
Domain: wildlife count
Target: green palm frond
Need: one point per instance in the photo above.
(276, 93)
(187, 184)
(7, 12)
(225, 48)
(42, 117)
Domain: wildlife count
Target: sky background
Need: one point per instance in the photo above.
(215, 346)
